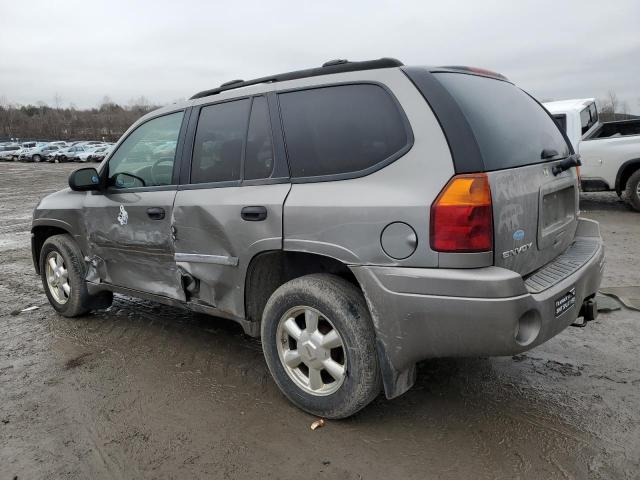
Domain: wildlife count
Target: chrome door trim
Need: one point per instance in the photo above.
(198, 258)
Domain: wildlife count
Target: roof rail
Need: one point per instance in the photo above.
(479, 71)
(332, 66)
(231, 82)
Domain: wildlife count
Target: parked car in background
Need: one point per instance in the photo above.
(609, 151)
(99, 153)
(66, 154)
(38, 154)
(81, 152)
(24, 147)
(86, 142)
(87, 150)
(50, 157)
(7, 149)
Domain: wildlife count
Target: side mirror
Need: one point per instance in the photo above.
(84, 179)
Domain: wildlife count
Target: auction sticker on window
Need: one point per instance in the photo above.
(565, 302)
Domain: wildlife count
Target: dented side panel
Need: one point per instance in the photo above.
(127, 247)
(214, 244)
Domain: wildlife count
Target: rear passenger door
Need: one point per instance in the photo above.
(229, 205)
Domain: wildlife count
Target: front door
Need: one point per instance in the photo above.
(129, 224)
(230, 207)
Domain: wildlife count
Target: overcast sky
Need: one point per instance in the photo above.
(166, 50)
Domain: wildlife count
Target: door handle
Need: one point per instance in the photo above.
(253, 214)
(155, 213)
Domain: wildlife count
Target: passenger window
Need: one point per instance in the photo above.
(146, 157)
(217, 149)
(258, 161)
(340, 129)
(588, 118)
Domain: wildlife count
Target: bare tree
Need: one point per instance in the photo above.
(57, 101)
(41, 122)
(611, 108)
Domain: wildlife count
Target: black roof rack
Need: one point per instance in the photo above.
(231, 82)
(332, 66)
(476, 70)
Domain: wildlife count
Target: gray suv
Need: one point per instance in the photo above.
(359, 217)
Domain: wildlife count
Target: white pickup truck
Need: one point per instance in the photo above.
(610, 151)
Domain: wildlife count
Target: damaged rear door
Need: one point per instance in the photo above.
(129, 224)
(229, 205)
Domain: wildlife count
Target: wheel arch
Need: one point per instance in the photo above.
(268, 270)
(624, 172)
(40, 233)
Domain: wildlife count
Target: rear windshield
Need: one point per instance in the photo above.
(510, 127)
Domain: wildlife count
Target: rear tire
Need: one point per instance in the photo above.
(36, 158)
(63, 271)
(632, 192)
(342, 339)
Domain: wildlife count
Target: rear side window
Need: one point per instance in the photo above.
(588, 118)
(217, 149)
(341, 129)
(511, 128)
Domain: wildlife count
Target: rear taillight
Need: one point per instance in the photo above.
(461, 216)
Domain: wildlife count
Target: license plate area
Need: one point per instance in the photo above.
(565, 301)
(558, 208)
(557, 215)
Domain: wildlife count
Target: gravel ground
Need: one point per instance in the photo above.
(142, 390)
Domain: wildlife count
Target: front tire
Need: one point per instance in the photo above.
(36, 158)
(632, 192)
(63, 271)
(319, 344)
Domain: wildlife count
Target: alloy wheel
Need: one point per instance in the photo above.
(57, 277)
(311, 351)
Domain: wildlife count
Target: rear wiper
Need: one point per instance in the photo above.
(566, 164)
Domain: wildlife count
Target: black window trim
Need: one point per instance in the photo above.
(280, 170)
(176, 163)
(358, 173)
(244, 150)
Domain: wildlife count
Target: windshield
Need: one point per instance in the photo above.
(511, 128)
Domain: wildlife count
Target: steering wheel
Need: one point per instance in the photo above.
(161, 174)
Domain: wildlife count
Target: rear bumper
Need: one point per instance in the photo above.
(425, 313)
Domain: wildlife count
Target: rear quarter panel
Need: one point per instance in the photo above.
(344, 219)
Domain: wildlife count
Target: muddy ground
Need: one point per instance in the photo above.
(142, 390)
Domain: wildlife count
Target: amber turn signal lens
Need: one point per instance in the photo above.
(461, 216)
